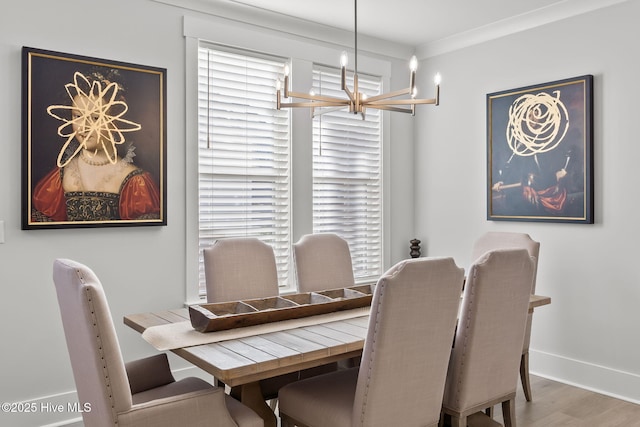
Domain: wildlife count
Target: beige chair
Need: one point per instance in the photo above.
(483, 370)
(240, 268)
(508, 240)
(322, 261)
(140, 393)
(404, 362)
(245, 268)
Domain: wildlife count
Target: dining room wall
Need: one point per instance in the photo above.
(141, 268)
(585, 337)
(588, 335)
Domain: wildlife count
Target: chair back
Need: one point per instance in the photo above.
(404, 362)
(96, 360)
(240, 268)
(488, 344)
(322, 261)
(507, 240)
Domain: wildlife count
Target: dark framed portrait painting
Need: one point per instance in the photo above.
(93, 142)
(540, 152)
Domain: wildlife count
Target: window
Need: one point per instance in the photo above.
(347, 177)
(243, 151)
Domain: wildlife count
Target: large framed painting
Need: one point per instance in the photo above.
(540, 152)
(93, 142)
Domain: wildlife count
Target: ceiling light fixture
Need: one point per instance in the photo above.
(357, 101)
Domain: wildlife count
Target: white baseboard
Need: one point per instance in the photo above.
(600, 379)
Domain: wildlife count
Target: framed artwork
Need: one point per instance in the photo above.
(93, 142)
(540, 152)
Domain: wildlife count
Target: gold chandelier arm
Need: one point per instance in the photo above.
(390, 108)
(317, 97)
(368, 103)
(314, 104)
(400, 92)
(315, 113)
(350, 94)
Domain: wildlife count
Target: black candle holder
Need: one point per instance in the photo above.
(415, 248)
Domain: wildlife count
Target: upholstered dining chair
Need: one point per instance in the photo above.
(243, 268)
(240, 268)
(483, 369)
(142, 392)
(401, 378)
(322, 261)
(511, 240)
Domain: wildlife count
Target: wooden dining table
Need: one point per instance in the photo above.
(241, 359)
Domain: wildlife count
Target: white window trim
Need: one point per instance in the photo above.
(303, 53)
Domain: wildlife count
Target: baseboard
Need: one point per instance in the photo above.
(599, 379)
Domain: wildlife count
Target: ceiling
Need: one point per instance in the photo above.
(419, 22)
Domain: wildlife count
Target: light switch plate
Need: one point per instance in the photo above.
(1, 231)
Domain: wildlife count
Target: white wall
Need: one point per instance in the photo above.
(589, 334)
(142, 268)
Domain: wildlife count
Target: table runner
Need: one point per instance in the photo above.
(181, 334)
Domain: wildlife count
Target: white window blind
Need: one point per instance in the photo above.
(347, 174)
(243, 152)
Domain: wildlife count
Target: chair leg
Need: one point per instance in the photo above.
(458, 421)
(442, 418)
(524, 376)
(509, 413)
(284, 422)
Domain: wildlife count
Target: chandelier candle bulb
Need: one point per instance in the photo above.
(344, 59)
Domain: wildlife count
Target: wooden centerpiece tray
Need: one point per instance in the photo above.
(238, 314)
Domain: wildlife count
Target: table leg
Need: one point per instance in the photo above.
(251, 395)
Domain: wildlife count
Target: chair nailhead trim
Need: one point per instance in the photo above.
(372, 355)
(105, 370)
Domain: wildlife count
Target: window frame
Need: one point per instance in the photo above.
(304, 53)
(234, 173)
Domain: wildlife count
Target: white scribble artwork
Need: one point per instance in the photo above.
(537, 123)
(96, 113)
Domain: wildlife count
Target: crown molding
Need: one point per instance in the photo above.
(546, 15)
(292, 27)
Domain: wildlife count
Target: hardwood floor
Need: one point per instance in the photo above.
(559, 405)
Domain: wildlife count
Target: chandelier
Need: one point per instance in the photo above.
(356, 101)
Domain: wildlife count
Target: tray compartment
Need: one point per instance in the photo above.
(342, 293)
(308, 298)
(227, 308)
(270, 303)
(365, 289)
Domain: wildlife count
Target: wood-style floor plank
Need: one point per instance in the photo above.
(556, 404)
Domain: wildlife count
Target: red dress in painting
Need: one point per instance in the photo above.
(138, 198)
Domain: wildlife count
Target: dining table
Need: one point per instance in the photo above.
(241, 357)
